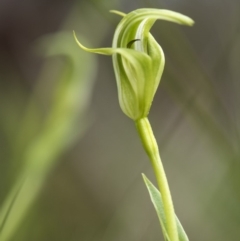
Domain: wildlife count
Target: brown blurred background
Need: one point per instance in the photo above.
(95, 192)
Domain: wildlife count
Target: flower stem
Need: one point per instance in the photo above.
(151, 148)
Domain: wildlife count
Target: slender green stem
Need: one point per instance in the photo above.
(151, 147)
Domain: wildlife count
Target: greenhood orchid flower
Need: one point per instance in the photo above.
(138, 62)
(137, 58)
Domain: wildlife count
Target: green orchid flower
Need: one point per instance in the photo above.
(138, 62)
(137, 58)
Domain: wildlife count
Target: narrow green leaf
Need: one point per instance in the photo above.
(156, 199)
(63, 123)
(5, 209)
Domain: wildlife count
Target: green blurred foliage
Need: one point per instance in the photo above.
(94, 190)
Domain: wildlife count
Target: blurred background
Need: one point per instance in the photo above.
(71, 162)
